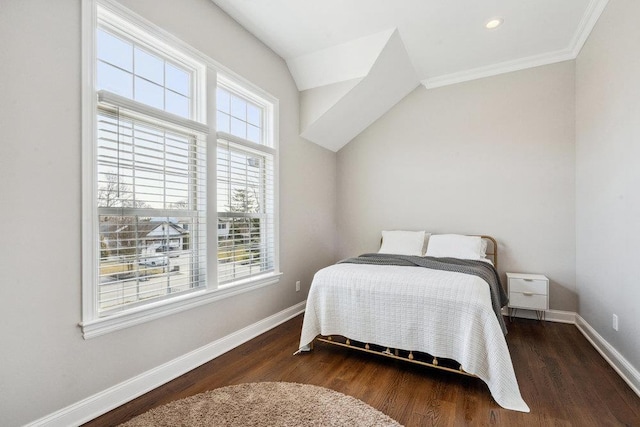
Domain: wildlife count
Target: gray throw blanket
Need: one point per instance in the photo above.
(483, 270)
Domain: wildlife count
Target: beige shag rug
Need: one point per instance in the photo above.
(265, 404)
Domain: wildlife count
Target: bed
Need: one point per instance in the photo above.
(440, 318)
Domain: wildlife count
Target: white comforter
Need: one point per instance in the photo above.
(445, 314)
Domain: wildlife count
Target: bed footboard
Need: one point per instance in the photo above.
(418, 358)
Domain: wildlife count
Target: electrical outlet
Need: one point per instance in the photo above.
(298, 286)
(615, 322)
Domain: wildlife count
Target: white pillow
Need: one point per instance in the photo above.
(403, 242)
(483, 248)
(456, 246)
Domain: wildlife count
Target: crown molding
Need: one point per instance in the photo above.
(587, 23)
(499, 68)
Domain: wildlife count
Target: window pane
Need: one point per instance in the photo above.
(254, 115)
(223, 122)
(238, 128)
(149, 93)
(115, 51)
(149, 66)
(176, 104)
(154, 82)
(238, 108)
(253, 134)
(177, 80)
(223, 100)
(114, 80)
(245, 197)
(239, 117)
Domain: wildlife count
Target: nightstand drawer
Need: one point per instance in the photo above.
(538, 287)
(528, 300)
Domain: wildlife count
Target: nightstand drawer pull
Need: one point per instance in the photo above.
(528, 280)
(527, 293)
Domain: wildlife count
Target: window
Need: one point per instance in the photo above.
(150, 167)
(148, 152)
(245, 185)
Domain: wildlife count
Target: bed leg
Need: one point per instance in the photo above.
(411, 355)
(397, 352)
(367, 346)
(348, 341)
(435, 361)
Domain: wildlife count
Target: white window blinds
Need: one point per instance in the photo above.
(245, 198)
(151, 206)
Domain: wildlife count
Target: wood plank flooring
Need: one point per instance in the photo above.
(562, 378)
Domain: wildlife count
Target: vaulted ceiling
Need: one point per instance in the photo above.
(352, 60)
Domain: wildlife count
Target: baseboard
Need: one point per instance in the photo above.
(626, 371)
(558, 316)
(104, 401)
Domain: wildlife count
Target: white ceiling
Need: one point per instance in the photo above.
(446, 40)
(353, 60)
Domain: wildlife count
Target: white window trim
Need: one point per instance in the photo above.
(91, 324)
(160, 309)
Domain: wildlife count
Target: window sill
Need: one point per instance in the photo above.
(138, 315)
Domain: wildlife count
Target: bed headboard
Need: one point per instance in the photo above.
(492, 248)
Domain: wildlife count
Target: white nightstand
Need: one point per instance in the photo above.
(528, 291)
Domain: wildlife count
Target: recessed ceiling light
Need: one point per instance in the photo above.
(493, 23)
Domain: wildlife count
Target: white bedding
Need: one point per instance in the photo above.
(445, 314)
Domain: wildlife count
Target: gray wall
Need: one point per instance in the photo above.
(497, 156)
(45, 364)
(608, 177)
(493, 156)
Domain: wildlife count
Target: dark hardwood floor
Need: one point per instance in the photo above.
(562, 378)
